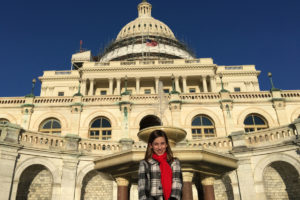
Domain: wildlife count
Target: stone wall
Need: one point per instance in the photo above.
(96, 187)
(281, 182)
(35, 184)
(223, 189)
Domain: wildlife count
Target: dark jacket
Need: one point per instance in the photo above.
(149, 183)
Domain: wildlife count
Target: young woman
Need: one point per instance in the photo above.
(159, 173)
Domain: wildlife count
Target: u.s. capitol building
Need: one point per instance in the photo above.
(79, 139)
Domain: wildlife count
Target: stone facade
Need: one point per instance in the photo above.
(49, 143)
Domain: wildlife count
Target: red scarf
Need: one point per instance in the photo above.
(166, 174)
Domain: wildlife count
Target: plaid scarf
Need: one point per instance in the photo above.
(166, 174)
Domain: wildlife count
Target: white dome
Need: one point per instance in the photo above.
(133, 40)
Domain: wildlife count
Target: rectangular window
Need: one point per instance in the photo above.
(237, 89)
(147, 91)
(167, 91)
(192, 90)
(103, 92)
(61, 94)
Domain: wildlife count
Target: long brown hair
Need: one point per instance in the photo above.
(155, 134)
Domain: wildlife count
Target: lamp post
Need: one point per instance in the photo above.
(222, 84)
(125, 85)
(79, 84)
(272, 84)
(32, 89)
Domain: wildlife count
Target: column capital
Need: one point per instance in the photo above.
(121, 181)
(187, 176)
(208, 181)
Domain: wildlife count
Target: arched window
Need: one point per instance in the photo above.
(203, 127)
(3, 121)
(51, 125)
(255, 122)
(148, 121)
(100, 129)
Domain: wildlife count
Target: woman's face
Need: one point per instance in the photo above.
(159, 146)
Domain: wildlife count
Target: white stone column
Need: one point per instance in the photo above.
(213, 84)
(204, 83)
(156, 84)
(177, 84)
(118, 90)
(111, 86)
(68, 180)
(184, 84)
(91, 91)
(137, 85)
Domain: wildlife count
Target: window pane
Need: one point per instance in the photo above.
(258, 120)
(56, 124)
(92, 133)
(47, 125)
(108, 132)
(105, 123)
(249, 121)
(196, 121)
(96, 124)
(166, 91)
(193, 131)
(96, 133)
(206, 121)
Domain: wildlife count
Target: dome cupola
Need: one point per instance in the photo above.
(145, 38)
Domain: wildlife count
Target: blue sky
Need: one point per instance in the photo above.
(40, 35)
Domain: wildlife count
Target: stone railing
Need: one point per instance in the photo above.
(200, 97)
(250, 96)
(292, 94)
(101, 99)
(42, 141)
(270, 136)
(146, 99)
(11, 133)
(96, 146)
(52, 100)
(139, 145)
(12, 100)
(206, 61)
(236, 97)
(218, 144)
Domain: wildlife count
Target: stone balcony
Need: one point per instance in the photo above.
(236, 97)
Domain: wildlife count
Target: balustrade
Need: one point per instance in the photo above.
(96, 146)
(270, 136)
(103, 100)
(217, 144)
(52, 100)
(42, 140)
(12, 100)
